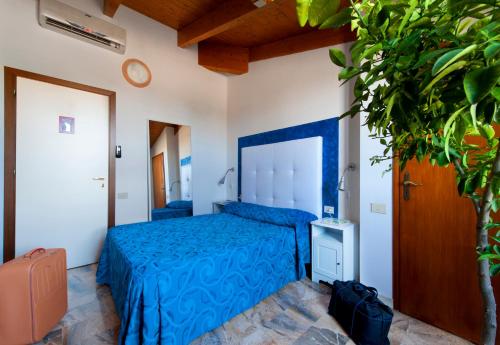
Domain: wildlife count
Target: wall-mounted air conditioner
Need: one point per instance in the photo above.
(59, 17)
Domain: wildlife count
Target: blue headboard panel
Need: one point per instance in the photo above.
(328, 129)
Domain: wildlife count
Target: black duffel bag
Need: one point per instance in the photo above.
(360, 313)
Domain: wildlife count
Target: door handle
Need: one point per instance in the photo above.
(407, 183)
(98, 178)
(412, 184)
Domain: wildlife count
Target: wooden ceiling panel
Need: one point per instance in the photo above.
(301, 43)
(226, 16)
(271, 23)
(223, 58)
(174, 13)
(232, 33)
(109, 7)
(156, 128)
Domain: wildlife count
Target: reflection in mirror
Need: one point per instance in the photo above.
(170, 154)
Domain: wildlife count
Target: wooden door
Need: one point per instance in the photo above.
(435, 257)
(159, 181)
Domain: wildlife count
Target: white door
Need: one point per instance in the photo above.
(61, 178)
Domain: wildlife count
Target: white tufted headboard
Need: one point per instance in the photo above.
(285, 174)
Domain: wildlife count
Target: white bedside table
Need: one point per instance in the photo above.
(218, 206)
(334, 250)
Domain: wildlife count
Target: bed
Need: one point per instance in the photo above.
(173, 280)
(174, 209)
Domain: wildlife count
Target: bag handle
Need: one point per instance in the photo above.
(373, 291)
(358, 287)
(33, 252)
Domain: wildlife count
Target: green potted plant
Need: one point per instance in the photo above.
(426, 73)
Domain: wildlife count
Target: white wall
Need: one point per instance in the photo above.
(375, 228)
(184, 135)
(303, 88)
(180, 92)
(290, 91)
(276, 93)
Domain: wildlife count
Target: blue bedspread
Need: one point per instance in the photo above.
(167, 213)
(174, 209)
(173, 280)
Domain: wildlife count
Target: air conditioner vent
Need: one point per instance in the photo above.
(94, 36)
(65, 19)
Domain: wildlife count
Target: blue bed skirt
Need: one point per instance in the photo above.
(174, 280)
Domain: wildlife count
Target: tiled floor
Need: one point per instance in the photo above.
(294, 315)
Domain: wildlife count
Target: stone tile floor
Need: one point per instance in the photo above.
(294, 315)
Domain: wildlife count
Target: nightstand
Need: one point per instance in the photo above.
(218, 206)
(334, 250)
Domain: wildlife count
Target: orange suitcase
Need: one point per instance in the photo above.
(33, 295)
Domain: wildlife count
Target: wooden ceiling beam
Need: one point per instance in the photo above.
(223, 58)
(301, 43)
(226, 16)
(109, 7)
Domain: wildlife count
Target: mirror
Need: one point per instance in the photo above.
(170, 174)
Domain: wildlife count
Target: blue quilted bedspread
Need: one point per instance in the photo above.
(173, 280)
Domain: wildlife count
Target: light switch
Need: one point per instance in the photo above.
(122, 195)
(378, 208)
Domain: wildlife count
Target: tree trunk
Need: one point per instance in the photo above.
(490, 307)
(490, 314)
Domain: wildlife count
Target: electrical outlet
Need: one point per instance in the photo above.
(378, 208)
(329, 209)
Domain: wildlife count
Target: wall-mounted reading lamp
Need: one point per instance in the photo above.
(341, 185)
(223, 179)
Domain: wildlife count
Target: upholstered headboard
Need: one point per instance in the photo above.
(284, 174)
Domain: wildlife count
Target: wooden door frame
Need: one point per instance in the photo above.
(10, 112)
(164, 180)
(395, 233)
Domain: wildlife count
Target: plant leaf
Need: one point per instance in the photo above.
(337, 56)
(408, 14)
(457, 65)
(473, 108)
(478, 83)
(487, 131)
(451, 120)
(450, 57)
(426, 57)
(339, 19)
(320, 10)
(447, 141)
(368, 53)
(303, 11)
(348, 72)
(496, 93)
(492, 50)
(494, 269)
